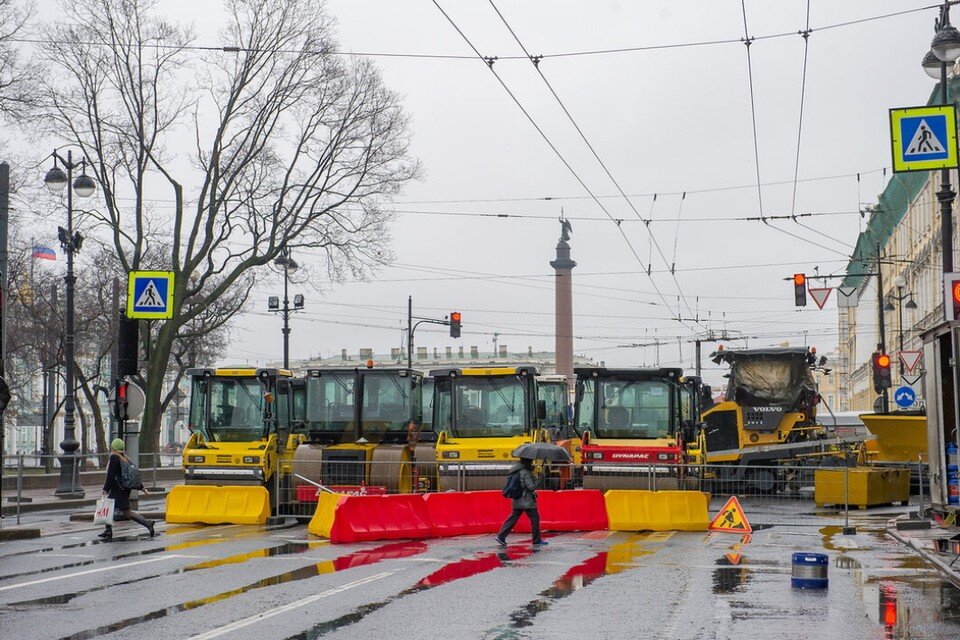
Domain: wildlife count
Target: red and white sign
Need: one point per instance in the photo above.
(820, 295)
(910, 360)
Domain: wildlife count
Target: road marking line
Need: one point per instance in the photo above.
(87, 572)
(246, 622)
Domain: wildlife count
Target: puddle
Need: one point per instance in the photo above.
(132, 554)
(902, 617)
(268, 552)
(356, 559)
(464, 568)
(730, 576)
(618, 558)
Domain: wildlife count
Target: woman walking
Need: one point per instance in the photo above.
(121, 496)
(526, 503)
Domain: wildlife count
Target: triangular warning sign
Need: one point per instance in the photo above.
(820, 295)
(150, 298)
(731, 518)
(924, 141)
(910, 360)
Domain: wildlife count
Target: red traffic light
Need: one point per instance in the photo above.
(799, 290)
(454, 324)
(799, 279)
(455, 316)
(883, 360)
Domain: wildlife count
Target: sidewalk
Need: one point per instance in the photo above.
(151, 505)
(925, 543)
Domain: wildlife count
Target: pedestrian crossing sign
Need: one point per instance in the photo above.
(924, 138)
(731, 518)
(150, 295)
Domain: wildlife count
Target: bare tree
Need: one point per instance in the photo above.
(18, 78)
(292, 146)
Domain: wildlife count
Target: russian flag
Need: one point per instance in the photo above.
(44, 253)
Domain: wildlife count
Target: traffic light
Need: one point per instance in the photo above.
(799, 290)
(882, 378)
(455, 324)
(121, 404)
(952, 296)
(128, 347)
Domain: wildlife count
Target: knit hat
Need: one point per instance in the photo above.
(117, 445)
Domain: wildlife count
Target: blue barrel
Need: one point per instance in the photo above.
(953, 485)
(809, 571)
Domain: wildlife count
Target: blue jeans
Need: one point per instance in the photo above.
(509, 523)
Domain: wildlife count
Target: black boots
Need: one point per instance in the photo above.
(107, 534)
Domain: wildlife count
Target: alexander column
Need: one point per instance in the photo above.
(563, 266)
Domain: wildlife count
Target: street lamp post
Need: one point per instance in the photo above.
(944, 52)
(289, 265)
(84, 186)
(900, 283)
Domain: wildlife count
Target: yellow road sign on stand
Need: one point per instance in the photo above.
(923, 138)
(731, 518)
(150, 295)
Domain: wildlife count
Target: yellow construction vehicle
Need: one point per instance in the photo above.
(631, 424)
(240, 425)
(767, 419)
(481, 416)
(362, 432)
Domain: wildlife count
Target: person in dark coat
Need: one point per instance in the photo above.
(526, 503)
(121, 496)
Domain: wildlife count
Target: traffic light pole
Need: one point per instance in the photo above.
(411, 328)
(884, 394)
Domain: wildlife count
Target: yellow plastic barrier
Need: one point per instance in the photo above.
(322, 521)
(657, 510)
(865, 486)
(218, 505)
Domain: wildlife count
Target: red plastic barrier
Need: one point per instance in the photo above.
(459, 513)
(394, 517)
(583, 510)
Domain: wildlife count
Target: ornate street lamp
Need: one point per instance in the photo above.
(84, 186)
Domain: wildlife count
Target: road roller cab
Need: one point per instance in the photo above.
(363, 433)
(481, 416)
(631, 423)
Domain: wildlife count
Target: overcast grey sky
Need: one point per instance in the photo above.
(664, 121)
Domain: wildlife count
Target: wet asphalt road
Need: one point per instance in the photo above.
(243, 582)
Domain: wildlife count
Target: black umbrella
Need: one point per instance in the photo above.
(542, 451)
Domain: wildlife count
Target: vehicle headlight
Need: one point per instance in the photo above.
(251, 459)
(664, 456)
(450, 454)
(596, 455)
(196, 459)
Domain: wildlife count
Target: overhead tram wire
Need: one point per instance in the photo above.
(747, 41)
(461, 57)
(535, 60)
(489, 62)
(805, 34)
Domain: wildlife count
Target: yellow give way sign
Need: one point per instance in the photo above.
(923, 138)
(731, 518)
(150, 295)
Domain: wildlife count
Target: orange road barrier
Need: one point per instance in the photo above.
(343, 518)
(657, 510)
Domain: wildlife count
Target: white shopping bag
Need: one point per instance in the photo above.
(104, 512)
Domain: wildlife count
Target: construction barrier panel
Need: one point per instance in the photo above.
(459, 513)
(343, 518)
(657, 510)
(861, 487)
(583, 510)
(218, 505)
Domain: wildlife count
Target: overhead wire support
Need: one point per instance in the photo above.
(747, 41)
(550, 144)
(536, 64)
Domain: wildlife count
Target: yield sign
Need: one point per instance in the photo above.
(820, 295)
(910, 360)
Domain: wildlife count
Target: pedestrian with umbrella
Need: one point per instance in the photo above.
(524, 496)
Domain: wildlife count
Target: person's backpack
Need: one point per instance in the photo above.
(513, 488)
(129, 475)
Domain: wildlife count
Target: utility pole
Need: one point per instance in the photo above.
(884, 395)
